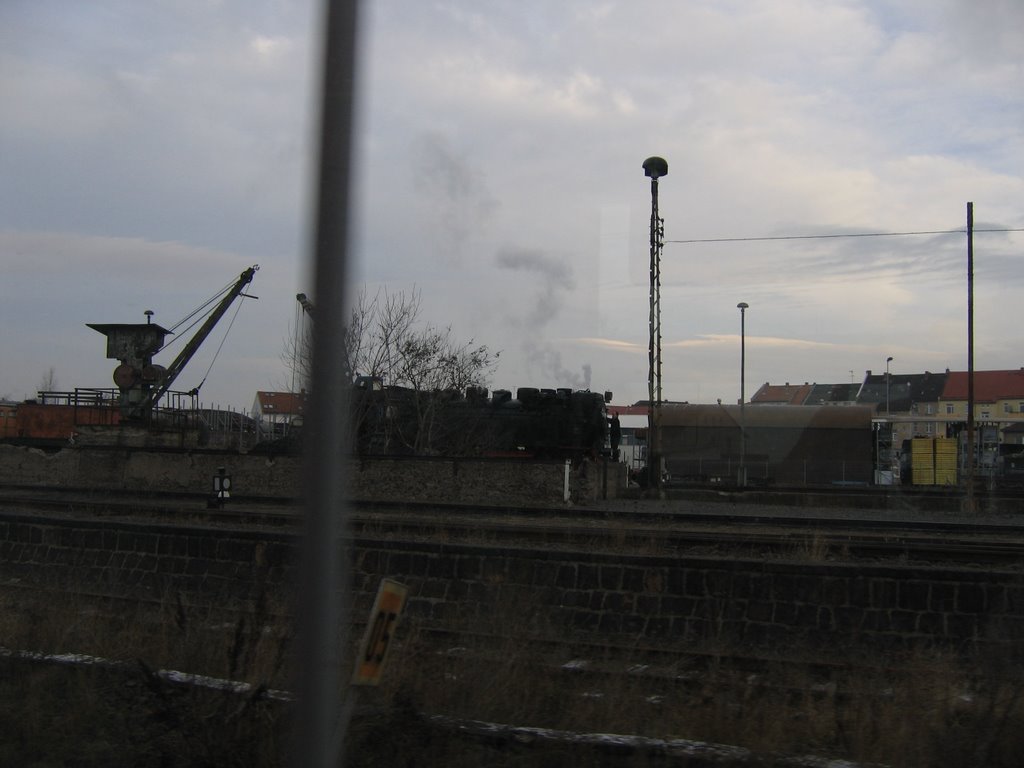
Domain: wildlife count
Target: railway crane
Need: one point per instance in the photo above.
(141, 382)
(304, 349)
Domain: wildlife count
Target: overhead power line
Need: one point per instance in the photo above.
(836, 236)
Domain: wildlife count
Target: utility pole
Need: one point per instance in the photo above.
(970, 357)
(887, 361)
(742, 477)
(655, 168)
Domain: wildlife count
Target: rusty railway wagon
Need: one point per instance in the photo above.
(782, 445)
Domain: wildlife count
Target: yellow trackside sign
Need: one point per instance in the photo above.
(387, 607)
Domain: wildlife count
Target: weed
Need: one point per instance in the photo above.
(507, 662)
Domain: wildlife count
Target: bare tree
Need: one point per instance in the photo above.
(423, 367)
(411, 366)
(387, 340)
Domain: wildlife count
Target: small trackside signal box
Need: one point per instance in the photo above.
(221, 488)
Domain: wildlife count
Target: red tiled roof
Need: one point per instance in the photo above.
(282, 402)
(989, 386)
(785, 394)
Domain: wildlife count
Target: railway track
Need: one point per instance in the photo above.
(655, 529)
(669, 528)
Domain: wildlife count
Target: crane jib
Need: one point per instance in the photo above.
(176, 367)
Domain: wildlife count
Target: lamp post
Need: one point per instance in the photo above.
(887, 361)
(655, 168)
(742, 476)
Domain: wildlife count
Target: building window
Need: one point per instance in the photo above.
(929, 428)
(986, 414)
(1007, 407)
(950, 408)
(929, 409)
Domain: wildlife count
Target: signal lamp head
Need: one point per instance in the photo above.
(655, 167)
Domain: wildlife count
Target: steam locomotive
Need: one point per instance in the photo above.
(536, 423)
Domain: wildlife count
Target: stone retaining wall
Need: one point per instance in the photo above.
(710, 601)
(464, 481)
(218, 566)
(678, 602)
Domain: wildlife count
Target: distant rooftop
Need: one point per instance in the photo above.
(782, 394)
(282, 402)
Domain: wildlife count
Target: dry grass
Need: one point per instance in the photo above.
(928, 709)
(124, 713)
(923, 710)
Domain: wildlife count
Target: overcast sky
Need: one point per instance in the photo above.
(150, 152)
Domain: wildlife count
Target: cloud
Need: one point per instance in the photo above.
(161, 144)
(114, 280)
(121, 260)
(616, 345)
(270, 48)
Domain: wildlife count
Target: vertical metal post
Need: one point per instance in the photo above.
(887, 361)
(878, 453)
(970, 357)
(654, 168)
(323, 599)
(742, 475)
(888, 425)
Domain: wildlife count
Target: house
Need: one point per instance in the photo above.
(998, 395)
(908, 402)
(901, 393)
(832, 394)
(276, 411)
(923, 404)
(998, 404)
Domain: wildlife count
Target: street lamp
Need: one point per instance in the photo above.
(742, 476)
(887, 361)
(655, 168)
